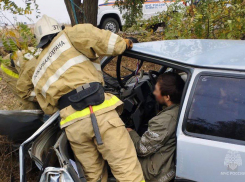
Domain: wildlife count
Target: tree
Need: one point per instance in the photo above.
(85, 12)
(19, 36)
(211, 19)
(15, 9)
(132, 10)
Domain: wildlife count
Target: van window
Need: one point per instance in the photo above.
(218, 108)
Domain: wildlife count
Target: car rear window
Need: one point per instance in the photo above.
(218, 108)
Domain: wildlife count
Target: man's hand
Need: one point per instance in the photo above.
(129, 129)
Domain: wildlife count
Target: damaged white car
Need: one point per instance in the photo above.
(211, 124)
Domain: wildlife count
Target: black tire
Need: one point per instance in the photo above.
(155, 26)
(110, 24)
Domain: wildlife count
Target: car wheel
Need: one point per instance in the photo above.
(110, 24)
(155, 27)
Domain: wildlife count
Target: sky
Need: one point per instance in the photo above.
(53, 8)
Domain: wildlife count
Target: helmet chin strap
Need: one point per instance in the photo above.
(46, 40)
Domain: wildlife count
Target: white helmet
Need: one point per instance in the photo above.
(45, 26)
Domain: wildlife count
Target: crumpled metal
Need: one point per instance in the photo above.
(53, 174)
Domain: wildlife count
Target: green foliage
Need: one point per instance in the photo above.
(20, 36)
(27, 36)
(9, 45)
(132, 10)
(210, 19)
(18, 39)
(4, 61)
(15, 9)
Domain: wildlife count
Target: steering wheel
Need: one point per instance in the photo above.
(152, 78)
(125, 78)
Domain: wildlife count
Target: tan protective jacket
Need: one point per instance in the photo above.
(25, 65)
(156, 147)
(71, 60)
(24, 86)
(12, 76)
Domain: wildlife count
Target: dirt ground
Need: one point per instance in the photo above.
(9, 168)
(9, 155)
(7, 98)
(9, 163)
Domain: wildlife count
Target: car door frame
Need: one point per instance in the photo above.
(165, 62)
(156, 60)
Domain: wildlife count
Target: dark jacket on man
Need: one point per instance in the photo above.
(156, 148)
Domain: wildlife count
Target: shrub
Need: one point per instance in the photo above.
(18, 38)
(207, 19)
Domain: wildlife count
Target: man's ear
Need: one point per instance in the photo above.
(168, 97)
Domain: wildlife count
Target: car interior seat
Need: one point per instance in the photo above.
(183, 75)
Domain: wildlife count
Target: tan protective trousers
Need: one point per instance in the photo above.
(118, 149)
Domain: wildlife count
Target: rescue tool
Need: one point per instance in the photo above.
(95, 126)
(87, 95)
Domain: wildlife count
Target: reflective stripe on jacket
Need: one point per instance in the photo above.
(110, 103)
(9, 71)
(71, 60)
(11, 77)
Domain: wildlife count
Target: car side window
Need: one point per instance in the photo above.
(129, 65)
(110, 68)
(218, 108)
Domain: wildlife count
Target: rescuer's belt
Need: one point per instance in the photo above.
(87, 95)
(111, 103)
(84, 96)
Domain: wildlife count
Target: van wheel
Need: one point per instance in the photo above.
(110, 24)
(155, 26)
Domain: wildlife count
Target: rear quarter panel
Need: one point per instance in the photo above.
(204, 160)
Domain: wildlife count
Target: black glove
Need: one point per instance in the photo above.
(134, 40)
(12, 61)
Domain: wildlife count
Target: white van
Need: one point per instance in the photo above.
(110, 18)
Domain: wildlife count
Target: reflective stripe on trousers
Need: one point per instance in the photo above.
(9, 72)
(107, 103)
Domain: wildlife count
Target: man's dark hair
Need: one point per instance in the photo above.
(171, 84)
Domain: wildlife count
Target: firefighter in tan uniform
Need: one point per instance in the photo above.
(11, 74)
(68, 78)
(24, 86)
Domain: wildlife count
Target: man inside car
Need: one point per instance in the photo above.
(156, 147)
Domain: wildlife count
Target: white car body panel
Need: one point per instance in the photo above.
(203, 160)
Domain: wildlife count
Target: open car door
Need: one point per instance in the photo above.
(19, 125)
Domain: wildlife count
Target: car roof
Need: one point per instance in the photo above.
(222, 54)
